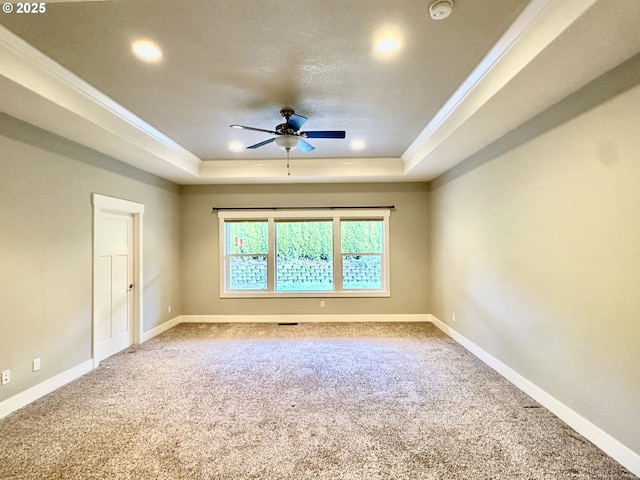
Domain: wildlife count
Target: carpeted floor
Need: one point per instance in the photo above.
(312, 401)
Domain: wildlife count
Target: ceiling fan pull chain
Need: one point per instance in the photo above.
(288, 169)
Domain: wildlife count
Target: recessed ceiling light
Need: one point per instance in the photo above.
(147, 51)
(357, 144)
(387, 41)
(388, 45)
(236, 147)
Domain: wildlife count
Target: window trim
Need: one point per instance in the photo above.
(271, 216)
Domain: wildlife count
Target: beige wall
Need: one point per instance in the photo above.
(537, 252)
(46, 248)
(408, 243)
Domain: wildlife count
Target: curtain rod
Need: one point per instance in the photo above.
(368, 207)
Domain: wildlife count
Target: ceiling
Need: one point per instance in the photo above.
(453, 87)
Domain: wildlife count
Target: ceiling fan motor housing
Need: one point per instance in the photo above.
(285, 129)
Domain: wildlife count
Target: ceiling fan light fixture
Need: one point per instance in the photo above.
(287, 141)
(441, 9)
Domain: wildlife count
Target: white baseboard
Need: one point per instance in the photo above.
(24, 398)
(154, 332)
(612, 447)
(618, 451)
(32, 394)
(418, 317)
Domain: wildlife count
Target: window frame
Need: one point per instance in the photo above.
(229, 256)
(271, 216)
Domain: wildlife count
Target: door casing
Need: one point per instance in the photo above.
(102, 203)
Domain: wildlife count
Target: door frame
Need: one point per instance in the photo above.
(103, 203)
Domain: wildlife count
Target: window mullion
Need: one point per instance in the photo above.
(337, 256)
(271, 255)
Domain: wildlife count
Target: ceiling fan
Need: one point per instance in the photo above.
(288, 134)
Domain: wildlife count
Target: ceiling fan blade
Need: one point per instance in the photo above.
(296, 121)
(254, 129)
(305, 146)
(324, 134)
(261, 143)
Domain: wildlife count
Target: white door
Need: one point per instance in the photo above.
(113, 277)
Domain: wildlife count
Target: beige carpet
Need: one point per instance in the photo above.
(313, 401)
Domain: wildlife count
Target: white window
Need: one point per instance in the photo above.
(290, 253)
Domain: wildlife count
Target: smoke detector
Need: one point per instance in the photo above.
(441, 9)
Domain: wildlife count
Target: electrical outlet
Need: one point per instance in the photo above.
(36, 364)
(169, 309)
(321, 303)
(6, 376)
(453, 317)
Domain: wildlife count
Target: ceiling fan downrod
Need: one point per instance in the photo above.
(286, 113)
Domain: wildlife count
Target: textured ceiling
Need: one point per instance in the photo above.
(242, 61)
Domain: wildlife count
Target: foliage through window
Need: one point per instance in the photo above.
(304, 253)
(361, 247)
(304, 256)
(247, 247)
